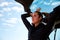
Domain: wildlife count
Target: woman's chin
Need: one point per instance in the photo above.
(33, 22)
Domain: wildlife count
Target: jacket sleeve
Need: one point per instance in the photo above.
(25, 21)
(54, 14)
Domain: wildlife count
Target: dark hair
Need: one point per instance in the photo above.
(39, 13)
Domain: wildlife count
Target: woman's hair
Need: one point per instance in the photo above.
(39, 13)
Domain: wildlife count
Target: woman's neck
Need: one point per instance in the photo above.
(37, 24)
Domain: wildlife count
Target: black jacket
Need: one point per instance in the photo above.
(41, 32)
(38, 33)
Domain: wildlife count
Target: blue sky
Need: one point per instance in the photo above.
(11, 25)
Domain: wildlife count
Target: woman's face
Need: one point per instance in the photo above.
(35, 18)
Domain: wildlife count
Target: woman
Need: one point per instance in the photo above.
(36, 31)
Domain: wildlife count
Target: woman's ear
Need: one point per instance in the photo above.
(40, 18)
(31, 14)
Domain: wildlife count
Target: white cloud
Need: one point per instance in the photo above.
(10, 14)
(1, 15)
(5, 4)
(55, 3)
(33, 7)
(9, 25)
(41, 1)
(48, 3)
(6, 9)
(18, 9)
(1, 1)
(1, 11)
(11, 20)
(14, 8)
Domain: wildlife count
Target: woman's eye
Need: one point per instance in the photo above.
(34, 15)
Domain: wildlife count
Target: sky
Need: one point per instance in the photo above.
(11, 25)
